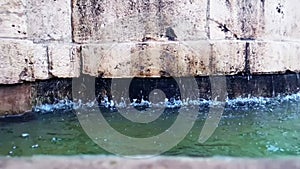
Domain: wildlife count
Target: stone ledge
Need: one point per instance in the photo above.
(23, 60)
(274, 57)
(101, 162)
(156, 59)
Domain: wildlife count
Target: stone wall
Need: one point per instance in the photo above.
(115, 38)
(44, 40)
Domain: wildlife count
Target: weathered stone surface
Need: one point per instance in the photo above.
(232, 19)
(251, 19)
(107, 60)
(13, 19)
(12, 57)
(107, 21)
(15, 99)
(146, 59)
(19, 59)
(274, 57)
(147, 21)
(64, 60)
(49, 20)
(202, 57)
(40, 62)
(281, 20)
(228, 57)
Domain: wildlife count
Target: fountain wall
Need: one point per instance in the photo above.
(47, 42)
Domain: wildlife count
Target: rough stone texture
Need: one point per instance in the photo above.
(12, 58)
(107, 60)
(190, 58)
(64, 60)
(49, 20)
(252, 19)
(146, 59)
(135, 38)
(274, 57)
(229, 60)
(13, 19)
(233, 19)
(93, 162)
(107, 21)
(19, 59)
(15, 99)
(40, 62)
(281, 20)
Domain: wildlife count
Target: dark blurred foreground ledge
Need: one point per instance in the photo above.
(101, 162)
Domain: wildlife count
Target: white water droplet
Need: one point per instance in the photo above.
(24, 135)
(35, 146)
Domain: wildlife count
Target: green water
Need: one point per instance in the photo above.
(268, 132)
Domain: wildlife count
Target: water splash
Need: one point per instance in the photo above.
(250, 103)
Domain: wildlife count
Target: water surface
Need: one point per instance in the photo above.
(248, 128)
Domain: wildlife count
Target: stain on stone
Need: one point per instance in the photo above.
(24, 74)
(170, 34)
(146, 5)
(251, 12)
(247, 59)
(223, 28)
(164, 74)
(117, 67)
(148, 38)
(132, 4)
(227, 2)
(279, 8)
(97, 7)
(263, 3)
(101, 73)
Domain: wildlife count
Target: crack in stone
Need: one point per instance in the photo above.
(225, 29)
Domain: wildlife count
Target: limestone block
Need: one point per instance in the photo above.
(274, 57)
(20, 60)
(165, 59)
(49, 20)
(150, 59)
(13, 19)
(228, 57)
(282, 20)
(64, 60)
(232, 19)
(108, 21)
(107, 60)
(12, 58)
(40, 62)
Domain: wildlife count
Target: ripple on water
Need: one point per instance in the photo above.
(250, 127)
